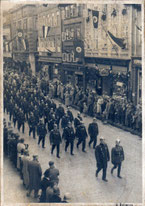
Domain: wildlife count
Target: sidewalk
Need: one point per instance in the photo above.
(13, 190)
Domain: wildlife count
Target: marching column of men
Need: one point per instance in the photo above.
(45, 117)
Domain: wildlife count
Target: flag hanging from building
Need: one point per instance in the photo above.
(48, 29)
(78, 49)
(118, 41)
(139, 28)
(95, 16)
(21, 40)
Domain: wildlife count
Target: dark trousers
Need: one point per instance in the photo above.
(94, 140)
(14, 121)
(119, 168)
(21, 125)
(71, 146)
(32, 129)
(57, 149)
(83, 141)
(104, 172)
(41, 138)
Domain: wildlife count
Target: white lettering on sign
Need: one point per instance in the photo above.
(69, 57)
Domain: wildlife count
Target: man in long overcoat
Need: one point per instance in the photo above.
(102, 157)
(25, 162)
(35, 173)
(117, 156)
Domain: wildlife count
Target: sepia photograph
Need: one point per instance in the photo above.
(72, 102)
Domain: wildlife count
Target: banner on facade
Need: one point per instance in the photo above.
(79, 49)
(95, 16)
(21, 39)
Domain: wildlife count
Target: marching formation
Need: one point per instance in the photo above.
(26, 103)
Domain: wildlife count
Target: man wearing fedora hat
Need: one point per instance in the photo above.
(117, 156)
(102, 157)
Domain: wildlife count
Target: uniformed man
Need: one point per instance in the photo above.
(93, 132)
(77, 120)
(69, 136)
(21, 120)
(117, 156)
(55, 140)
(81, 133)
(69, 114)
(41, 131)
(102, 157)
(51, 122)
(32, 124)
(64, 121)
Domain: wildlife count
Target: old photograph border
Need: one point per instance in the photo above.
(4, 6)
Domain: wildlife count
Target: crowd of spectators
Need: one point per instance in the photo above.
(119, 112)
(44, 185)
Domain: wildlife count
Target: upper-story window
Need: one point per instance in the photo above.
(78, 33)
(58, 17)
(72, 11)
(67, 12)
(19, 24)
(52, 20)
(25, 24)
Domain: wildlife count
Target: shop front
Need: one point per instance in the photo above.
(49, 66)
(109, 78)
(73, 74)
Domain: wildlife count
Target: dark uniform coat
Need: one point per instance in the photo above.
(93, 129)
(102, 155)
(55, 137)
(41, 130)
(68, 134)
(77, 121)
(81, 132)
(117, 155)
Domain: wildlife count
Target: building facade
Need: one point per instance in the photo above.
(49, 39)
(7, 45)
(73, 44)
(24, 34)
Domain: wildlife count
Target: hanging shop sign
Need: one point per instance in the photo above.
(69, 57)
